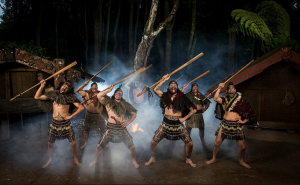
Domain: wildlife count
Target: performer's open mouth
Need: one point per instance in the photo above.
(62, 90)
(231, 94)
(173, 90)
(195, 90)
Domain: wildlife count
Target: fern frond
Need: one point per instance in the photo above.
(277, 19)
(275, 16)
(251, 24)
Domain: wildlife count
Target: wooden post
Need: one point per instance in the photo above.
(7, 85)
(21, 121)
(44, 125)
(5, 126)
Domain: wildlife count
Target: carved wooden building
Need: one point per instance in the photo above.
(271, 85)
(19, 70)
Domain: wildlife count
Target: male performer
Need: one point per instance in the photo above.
(237, 113)
(173, 103)
(93, 119)
(118, 111)
(134, 90)
(196, 120)
(61, 127)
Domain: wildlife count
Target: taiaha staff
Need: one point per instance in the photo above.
(181, 67)
(117, 122)
(178, 78)
(197, 78)
(229, 79)
(136, 72)
(58, 72)
(97, 73)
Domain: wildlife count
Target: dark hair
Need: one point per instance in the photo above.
(118, 89)
(70, 90)
(230, 83)
(194, 84)
(94, 84)
(173, 81)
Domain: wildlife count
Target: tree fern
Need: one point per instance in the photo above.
(250, 24)
(275, 17)
(271, 23)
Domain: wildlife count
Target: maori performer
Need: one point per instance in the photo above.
(173, 103)
(61, 127)
(134, 90)
(196, 120)
(93, 119)
(237, 113)
(118, 111)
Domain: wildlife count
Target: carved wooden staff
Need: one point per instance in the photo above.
(228, 79)
(197, 78)
(117, 121)
(97, 73)
(181, 67)
(58, 72)
(178, 78)
(136, 72)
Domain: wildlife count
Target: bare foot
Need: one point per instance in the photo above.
(244, 164)
(151, 160)
(210, 162)
(136, 165)
(82, 147)
(94, 162)
(48, 163)
(189, 161)
(77, 162)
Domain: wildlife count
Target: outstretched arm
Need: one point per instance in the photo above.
(216, 96)
(79, 89)
(38, 95)
(183, 87)
(101, 94)
(156, 89)
(127, 84)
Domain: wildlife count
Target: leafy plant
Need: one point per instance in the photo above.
(270, 23)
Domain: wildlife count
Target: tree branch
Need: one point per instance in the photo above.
(167, 20)
(150, 22)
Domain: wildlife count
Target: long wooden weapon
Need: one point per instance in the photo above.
(96, 74)
(228, 79)
(117, 121)
(134, 73)
(178, 78)
(58, 72)
(200, 76)
(181, 67)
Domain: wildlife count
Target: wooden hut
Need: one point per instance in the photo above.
(271, 85)
(19, 70)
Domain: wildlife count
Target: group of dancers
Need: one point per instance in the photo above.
(178, 107)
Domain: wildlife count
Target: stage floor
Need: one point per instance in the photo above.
(272, 154)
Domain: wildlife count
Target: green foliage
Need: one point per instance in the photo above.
(275, 17)
(29, 47)
(250, 24)
(271, 24)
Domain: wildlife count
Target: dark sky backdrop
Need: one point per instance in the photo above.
(212, 40)
(211, 29)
